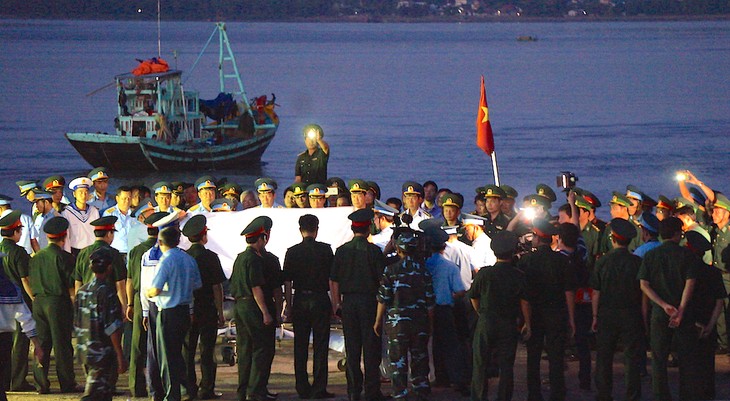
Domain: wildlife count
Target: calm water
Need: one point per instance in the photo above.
(615, 102)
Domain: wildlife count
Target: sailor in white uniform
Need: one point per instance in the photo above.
(79, 214)
(482, 254)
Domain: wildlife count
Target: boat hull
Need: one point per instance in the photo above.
(123, 153)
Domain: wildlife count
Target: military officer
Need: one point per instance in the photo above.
(616, 304)
(54, 185)
(317, 199)
(299, 195)
(664, 208)
(649, 226)
(273, 297)
(482, 254)
(451, 210)
(406, 300)
(79, 214)
(721, 241)
(335, 187)
(590, 232)
(266, 189)
(498, 295)
(495, 219)
(306, 270)
(412, 199)
(619, 210)
(358, 188)
(99, 197)
(355, 275)
(208, 310)
(43, 205)
(311, 165)
(508, 202)
(206, 193)
(123, 212)
(232, 192)
(544, 191)
(51, 281)
(636, 198)
(28, 235)
(163, 197)
(251, 313)
(384, 221)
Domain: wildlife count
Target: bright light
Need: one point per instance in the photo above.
(139, 10)
(529, 212)
(680, 176)
(311, 134)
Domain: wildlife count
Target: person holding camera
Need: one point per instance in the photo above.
(311, 165)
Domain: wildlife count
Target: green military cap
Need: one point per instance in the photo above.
(39, 194)
(298, 188)
(26, 186)
(471, 219)
(452, 200)
(98, 173)
(623, 229)
(537, 200)
(265, 184)
(722, 202)
(361, 217)
(648, 201)
(257, 227)
(101, 257)
(479, 190)
(5, 200)
(336, 182)
(178, 187)
(154, 218)
(358, 185)
(543, 228)
(105, 223)
(634, 192)
(162, 187)
(620, 199)
(509, 192)
(204, 182)
(504, 242)
(231, 188)
(222, 205)
(412, 188)
(383, 208)
(195, 226)
(56, 227)
(696, 242)
(435, 234)
(316, 190)
(592, 199)
(493, 191)
(11, 220)
(373, 186)
(312, 129)
(650, 222)
(54, 182)
(681, 202)
(582, 203)
(665, 203)
(545, 191)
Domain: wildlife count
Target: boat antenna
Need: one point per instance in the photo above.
(159, 41)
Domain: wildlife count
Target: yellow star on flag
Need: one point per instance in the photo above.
(485, 110)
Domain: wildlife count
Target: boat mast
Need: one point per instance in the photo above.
(159, 40)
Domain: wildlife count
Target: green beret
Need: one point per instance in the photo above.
(546, 192)
(543, 228)
(623, 229)
(493, 191)
(204, 182)
(504, 242)
(195, 226)
(265, 184)
(696, 242)
(722, 202)
(54, 181)
(412, 188)
(358, 185)
(104, 223)
(509, 192)
(452, 200)
(56, 226)
(298, 188)
(98, 173)
(537, 200)
(11, 220)
(259, 225)
(361, 216)
(620, 199)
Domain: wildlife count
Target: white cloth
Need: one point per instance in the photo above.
(40, 222)
(148, 271)
(460, 254)
(482, 256)
(10, 313)
(382, 238)
(417, 218)
(80, 231)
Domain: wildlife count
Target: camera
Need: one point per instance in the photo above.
(566, 180)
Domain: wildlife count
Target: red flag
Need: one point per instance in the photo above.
(485, 138)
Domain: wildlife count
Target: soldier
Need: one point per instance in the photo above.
(208, 310)
(689, 223)
(636, 198)
(123, 212)
(79, 214)
(429, 205)
(372, 194)
(335, 187)
(15, 262)
(358, 188)
(498, 295)
(667, 277)
(54, 185)
(51, 281)
(355, 275)
(273, 297)
(28, 235)
(306, 269)
(384, 221)
(99, 197)
(163, 197)
(482, 254)
(720, 234)
(178, 274)
(311, 165)
(412, 199)
(451, 210)
(406, 301)
(316, 194)
(251, 313)
(617, 313)
(44, 207)
(619, 210)
(299, 195)
(495, 219)
(649, 225)
(551, 290)
(206, 193)
(508, 202)
(266, 188)
(98, 327)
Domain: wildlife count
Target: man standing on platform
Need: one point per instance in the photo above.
(306, 270)
(311, 165)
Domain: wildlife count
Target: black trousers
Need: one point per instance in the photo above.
(549, 326)
(311, 315)
(358, 317)
(172, 323)
(154, 380)
(448, 354)
(6, 345)
(203, 332)
(495, 337)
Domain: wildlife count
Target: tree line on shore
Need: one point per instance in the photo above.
(282, 10)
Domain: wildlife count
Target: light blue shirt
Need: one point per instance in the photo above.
(646, 247)
(446, 278)
(177, 276)
(122, 225)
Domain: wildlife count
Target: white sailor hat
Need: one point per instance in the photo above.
(5, 200)
(467, 219)
(80, 182)
(167, 221)
(383, 208)
(451, 230)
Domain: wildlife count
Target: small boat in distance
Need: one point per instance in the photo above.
(527, 38)
(161, 126)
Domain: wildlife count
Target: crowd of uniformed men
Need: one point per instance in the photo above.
(652, 278)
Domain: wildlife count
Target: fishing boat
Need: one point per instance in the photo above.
(161, 126)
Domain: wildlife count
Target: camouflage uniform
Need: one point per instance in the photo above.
(406, 290)
(98, 316)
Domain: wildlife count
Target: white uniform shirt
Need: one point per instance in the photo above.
(40, 222)
(148, 271)
(80, 230)
(482, 254)
(382, 238)
(460, 254)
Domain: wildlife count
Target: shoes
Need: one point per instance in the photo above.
(211, 396)
(44, 391)
(321, 396)
(75, 389)
(23, 388)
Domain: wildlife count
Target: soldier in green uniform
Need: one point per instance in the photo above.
(355, 277)
(98, 324)
(300, 195)
(550, 287)
(253, 318)
(720, 234)
(406, 300)
(667, 277)
(498, 294)
(306, 270)
(138, 352)
(51, 281)
(15, 263)
(208, 310)
(508, 202)
(311, 165)
(617, 314)
(619, 210)
(274, 299)
(496, 220)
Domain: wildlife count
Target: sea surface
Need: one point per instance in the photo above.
(616, 103)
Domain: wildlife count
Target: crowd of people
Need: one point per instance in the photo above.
(109, 269)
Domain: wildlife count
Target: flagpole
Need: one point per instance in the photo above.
(495, 169)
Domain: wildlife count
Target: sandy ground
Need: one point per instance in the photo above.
(282, 380)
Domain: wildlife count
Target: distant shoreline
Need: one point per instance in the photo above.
(429, 19)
